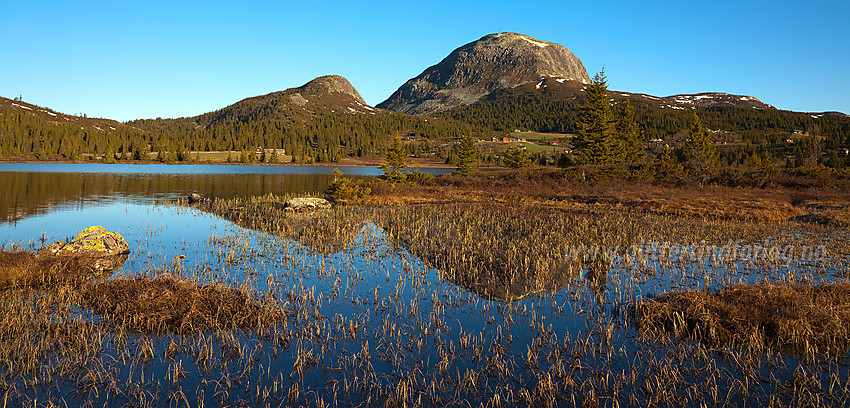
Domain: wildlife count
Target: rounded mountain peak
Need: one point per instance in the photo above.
(329, 84)
(495, 61)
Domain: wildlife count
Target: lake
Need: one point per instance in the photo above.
(68, 192)
(368, 322)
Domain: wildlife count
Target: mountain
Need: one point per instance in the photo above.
(553, 105)
(330, 93)
(324, 120)
(471, 72)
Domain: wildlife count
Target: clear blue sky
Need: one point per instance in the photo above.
(130, 60)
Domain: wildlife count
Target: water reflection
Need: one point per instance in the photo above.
(35, 188)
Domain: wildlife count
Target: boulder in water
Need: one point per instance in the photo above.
(196, 198)
(302, 204)
(107, 250)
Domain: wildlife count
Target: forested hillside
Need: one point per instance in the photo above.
(324, 137)
(741, 129)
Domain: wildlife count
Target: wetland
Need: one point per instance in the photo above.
(456, 293)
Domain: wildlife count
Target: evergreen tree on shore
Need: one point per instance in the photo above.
(467, 156)
(595, 142)
(395, 162)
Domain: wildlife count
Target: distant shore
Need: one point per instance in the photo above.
(345, 162)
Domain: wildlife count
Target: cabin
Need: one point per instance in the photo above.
(261, 150)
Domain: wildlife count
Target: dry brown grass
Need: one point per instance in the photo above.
(168, 303)
(21, 269)
(553, 188)
(802, 318)
(164, 303)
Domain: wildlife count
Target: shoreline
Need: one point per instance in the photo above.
(345, 163)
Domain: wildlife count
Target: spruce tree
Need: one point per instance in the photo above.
(395, 162)
(467, 156)
(595, 142)
(701, 156)
(517, 159)
(629, 144)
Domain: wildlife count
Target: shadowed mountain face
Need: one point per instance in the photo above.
(496, 61)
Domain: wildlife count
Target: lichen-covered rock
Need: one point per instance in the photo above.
(301, 204)
(108, 250)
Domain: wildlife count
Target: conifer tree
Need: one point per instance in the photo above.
(630, 147)
(467, 156)
(799, 160)
(667, 168)
(395, 162)
(701, 156)
(517, 159)
(595, 142)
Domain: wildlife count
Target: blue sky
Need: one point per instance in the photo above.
(130, 60)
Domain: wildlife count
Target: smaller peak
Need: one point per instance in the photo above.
(329, 84)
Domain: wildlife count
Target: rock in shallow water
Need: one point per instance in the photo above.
(108, 249)
(306, 204)
(196, 198)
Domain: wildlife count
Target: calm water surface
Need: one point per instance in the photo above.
(28, 189)
(44, 202)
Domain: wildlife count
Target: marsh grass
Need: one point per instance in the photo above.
(25, 269)
(801, 318)
(167, 303)
(321, 231)
(462, 304)
(563, 190)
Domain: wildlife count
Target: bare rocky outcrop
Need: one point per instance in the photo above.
(329, 84)
(107, 250)
(496, 61)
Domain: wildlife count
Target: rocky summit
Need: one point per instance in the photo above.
(328, 85)
(494, 62)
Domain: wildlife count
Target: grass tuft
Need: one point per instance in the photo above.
(167, 303)
(24, 269)
(800, 318)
